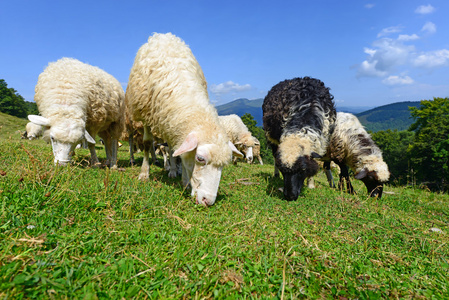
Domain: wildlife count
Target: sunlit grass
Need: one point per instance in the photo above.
(80, 232)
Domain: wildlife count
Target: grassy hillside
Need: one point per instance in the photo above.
(391, 116)
(10, 126)
(79, 232)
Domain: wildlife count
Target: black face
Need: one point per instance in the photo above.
(294, 177)
(373, 185)
(292, 185)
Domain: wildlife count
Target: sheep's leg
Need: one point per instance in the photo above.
(344, 175)
(131, 148)
(93, 156)
(145, 170)
(173, 168)
(164, 151)
(260, 159)
(148, 137)
(113, 157)
(310, 183)
(327, 171)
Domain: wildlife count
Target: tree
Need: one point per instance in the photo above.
(394, 146)
(430, 150)
(11, 102)
(258, 133)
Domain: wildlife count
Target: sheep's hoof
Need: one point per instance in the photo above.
(172, 174)
(144, 176)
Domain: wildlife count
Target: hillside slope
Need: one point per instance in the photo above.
(10, 125)
(390, 116)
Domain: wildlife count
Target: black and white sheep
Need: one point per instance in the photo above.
(298, 118)
(352, 146)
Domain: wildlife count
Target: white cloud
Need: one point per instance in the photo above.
(425, 9)
(429, 27)
(368, 69)
(386, 54)
(370, 5)
(228, 87)
(389, 30)
(398, 80)
(433, 59)
(406, 37)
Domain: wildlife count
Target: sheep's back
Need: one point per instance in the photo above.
(69, 88)
(299, 103)
(167, 89)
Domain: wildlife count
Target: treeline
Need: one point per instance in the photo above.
(420, 155)
(12, 103)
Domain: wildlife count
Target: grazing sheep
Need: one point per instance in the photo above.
(298, 118)
(167, 91)
(256, 152)
(352, 146)
(33, 131)
(239, 135)
(78, 101)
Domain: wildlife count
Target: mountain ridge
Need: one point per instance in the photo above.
(390, 116)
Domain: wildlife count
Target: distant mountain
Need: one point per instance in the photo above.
(241, 107)
(390, 116)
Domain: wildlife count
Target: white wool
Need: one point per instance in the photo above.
(34, 131)
(76, 97)
(167, 92)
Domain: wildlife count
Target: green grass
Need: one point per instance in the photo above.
(79, 232)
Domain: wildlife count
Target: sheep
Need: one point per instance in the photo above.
(352, 146)
(76, 102)
(256, 151)
(167, 91)
(298, 119)
(33, 131)
(239, 135)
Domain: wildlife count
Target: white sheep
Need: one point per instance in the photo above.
(352, 146)
(76, 102)
(239, 135)
(33, 131)
(256, 152)
(167, 91)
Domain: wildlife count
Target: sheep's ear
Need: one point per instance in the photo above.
(235, 152)
(190, 144)
(39, 120)
(361, 174)
(316, 155)
(88, 137)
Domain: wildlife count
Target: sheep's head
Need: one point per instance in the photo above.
(295, 159)
(203, 163)
(294, 175)
(64, 136)
(374, 179)
(246, 145)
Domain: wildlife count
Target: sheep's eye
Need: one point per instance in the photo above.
(200, 159)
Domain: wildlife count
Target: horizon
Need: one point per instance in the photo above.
(369, 53)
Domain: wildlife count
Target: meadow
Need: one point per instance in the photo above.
(95, 233)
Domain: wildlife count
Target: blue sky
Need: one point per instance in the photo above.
(369, 53)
